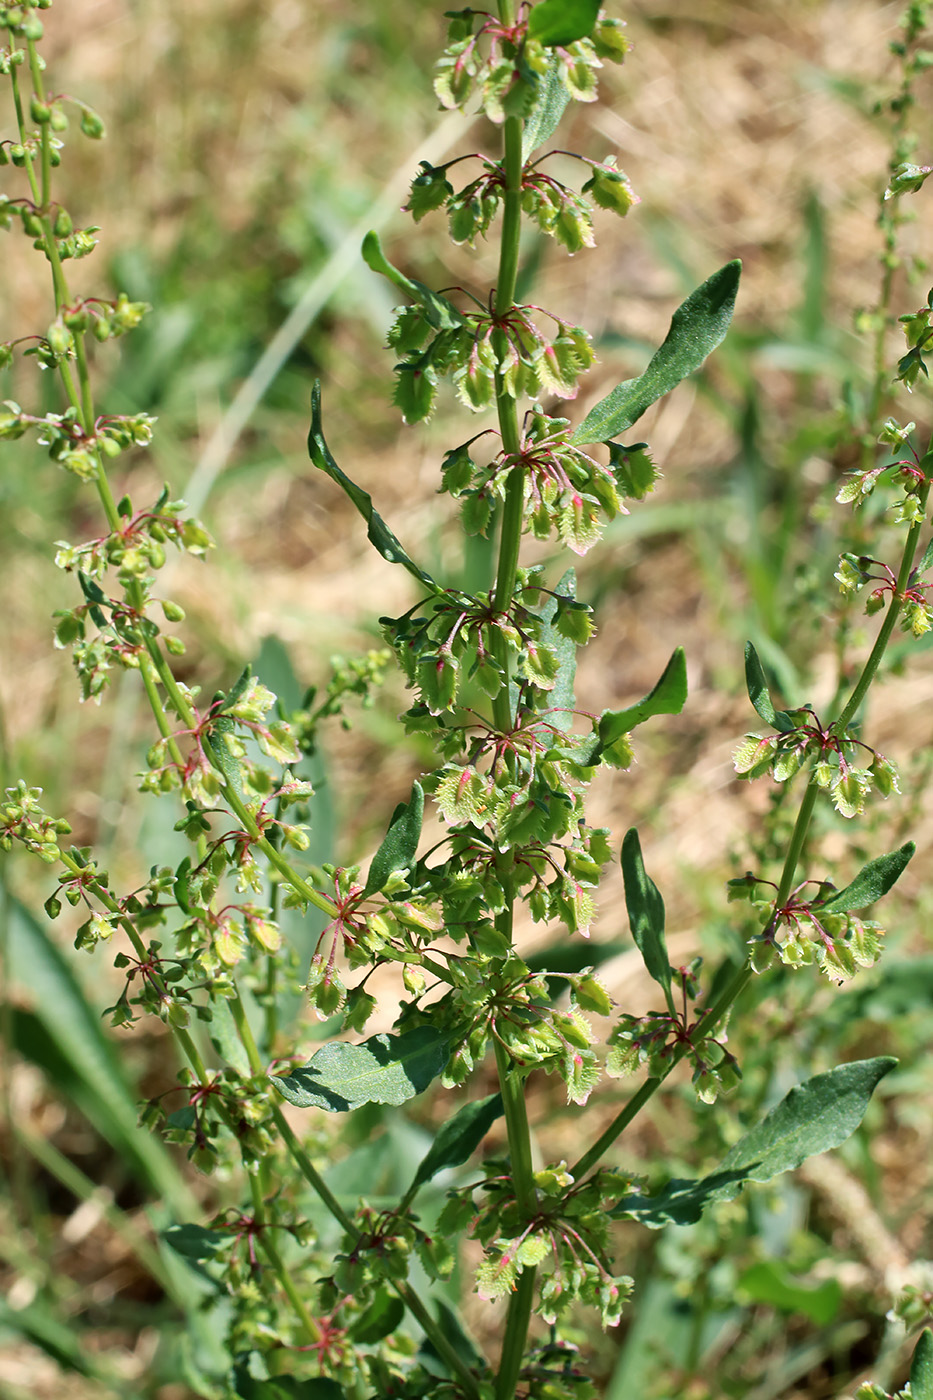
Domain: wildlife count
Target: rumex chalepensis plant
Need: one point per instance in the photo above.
(322, 1295)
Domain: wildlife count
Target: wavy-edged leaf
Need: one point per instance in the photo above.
(439, 312)
(384, 1069)
(549, 107)
(400, 843)
(697, 327)
(813, 1118)
(377, 530)
(760, 695)
(645, 912)
(556, 23)
(871, 883)
(458, 1139)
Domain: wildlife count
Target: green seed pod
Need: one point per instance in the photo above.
(63, 224)
(91, 124)
(78, 319)
(172, 612)
(156, 554)
(58, 120)
(59, 338)
(18, 154)
(32, 224)
(174, 646)
(32, 29)
(40, 112)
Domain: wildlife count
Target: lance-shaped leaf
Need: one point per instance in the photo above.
(813, 1118)
(377, 530)
(439, 312)
(921, 1367)
(871, 883)
(697, 327)
(645, 912)
(384, 1069)
(400, 843)
(760, 695)
(545, 115)
(556, 23)
(457, 1140)
(668, 697)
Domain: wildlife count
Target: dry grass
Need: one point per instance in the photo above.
(227, 118)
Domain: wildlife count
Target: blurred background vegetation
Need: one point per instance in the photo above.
(248, 147)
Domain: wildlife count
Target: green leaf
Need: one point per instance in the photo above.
(384, 1069)
(227, 761)
(557, 23)
(921, 1367)
(377, 531)
(645, 911)
(400, 843)
(452, 1327)
(196, 1241)
(561, 699)
(225, 1037)
(768, 1281)
(383, 1315)
(814, 1117)
(697, 327)
(871, 883)
(667, 698)
(545, 116)
(760, 695)
(439, 312)
(458, 1139)
(248, 1387)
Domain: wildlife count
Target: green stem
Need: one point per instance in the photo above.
(794, 850)
(516, 1330)
(438, 1339)
(797, 842)
(404, 1291)
(310, 1173)
(512, 1086)
(870, 668)
(506, 408)
(271, 1251)
(245, 1032)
